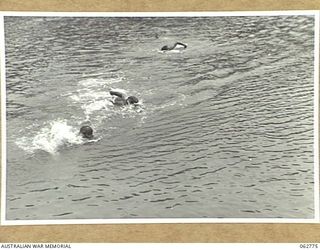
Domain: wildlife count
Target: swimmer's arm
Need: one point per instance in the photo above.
(90, 141)
(116, 93)
(182, 44)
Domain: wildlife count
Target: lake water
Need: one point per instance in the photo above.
(225, 128)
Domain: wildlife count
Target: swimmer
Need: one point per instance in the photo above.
(120, 99)
(177, 45)
(86, 132)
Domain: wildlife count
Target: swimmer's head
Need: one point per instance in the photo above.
(165, 47)
(132, 100)
(86, 132)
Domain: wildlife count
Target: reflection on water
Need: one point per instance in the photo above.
(224, 129)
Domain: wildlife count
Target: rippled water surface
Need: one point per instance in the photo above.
(224, 129)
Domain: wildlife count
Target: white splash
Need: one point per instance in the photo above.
(50, 138)
(93, 96)
(96, 102)
(91, 107)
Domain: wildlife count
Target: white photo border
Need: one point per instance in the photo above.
(4, 221)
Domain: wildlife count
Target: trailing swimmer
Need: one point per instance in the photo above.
(86, 132)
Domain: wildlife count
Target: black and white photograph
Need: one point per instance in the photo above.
(172, 117)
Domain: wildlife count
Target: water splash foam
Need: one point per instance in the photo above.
(50, 138)
(94, 97)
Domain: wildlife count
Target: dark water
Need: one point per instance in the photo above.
(225, 128)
